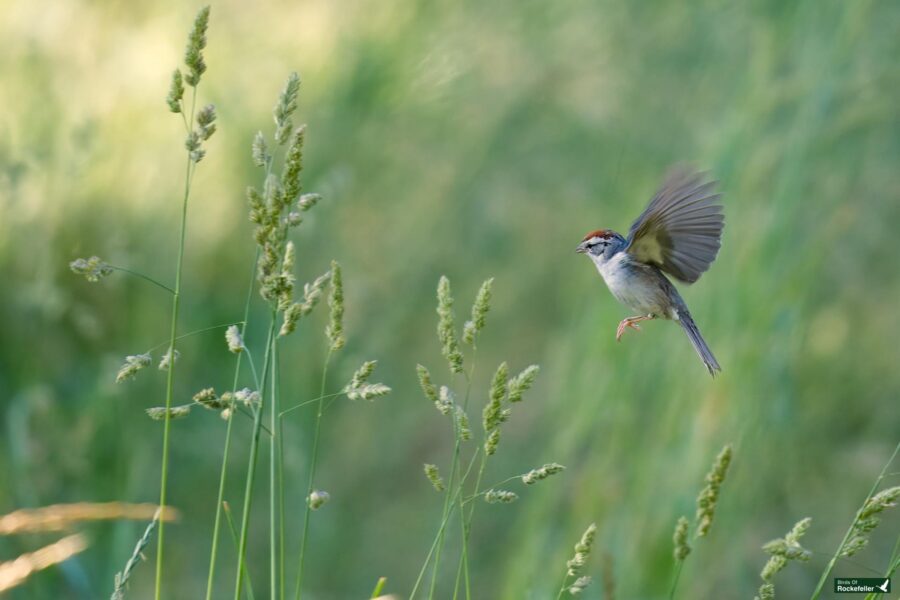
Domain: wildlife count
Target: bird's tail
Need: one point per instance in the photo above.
(693, 333)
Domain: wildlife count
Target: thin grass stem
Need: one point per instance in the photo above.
(144, 277)
(437, 535)
(196, 332)
(273, 475)
(675, 579)
(170, 378)
(837, 553)
(227, 444)
(312, 475)
(445, 514)
(434, 543)
(308, 402)
(280, 438)
(234, 539)
(465, 523)
(251, 468)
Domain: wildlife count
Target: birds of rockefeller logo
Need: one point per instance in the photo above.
(861, 585)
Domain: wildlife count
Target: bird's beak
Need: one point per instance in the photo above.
(582, 248)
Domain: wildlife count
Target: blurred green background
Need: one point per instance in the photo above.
(470, 139)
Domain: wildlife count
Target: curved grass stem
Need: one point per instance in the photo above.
(144, 277)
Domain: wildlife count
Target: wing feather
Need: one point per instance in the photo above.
(680, 231)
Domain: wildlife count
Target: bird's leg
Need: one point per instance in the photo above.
(633, 323)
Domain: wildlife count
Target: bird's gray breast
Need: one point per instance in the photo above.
(635, 285)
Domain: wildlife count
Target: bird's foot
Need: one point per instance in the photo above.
(629, 322)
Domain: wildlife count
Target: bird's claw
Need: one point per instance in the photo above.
(624, 324)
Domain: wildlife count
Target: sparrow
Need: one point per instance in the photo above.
(679, 234)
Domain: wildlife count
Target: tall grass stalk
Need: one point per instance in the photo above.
(274, 475)
(279, 437)
(193, 144)
(837, 553)
(442, 526)
(445, 514)
(313, 460)
(220, 497)
(234, 538)
(466, 522)
(170, 377)
(254, 450)
(893, 565)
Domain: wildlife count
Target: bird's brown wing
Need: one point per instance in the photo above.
(680, 230)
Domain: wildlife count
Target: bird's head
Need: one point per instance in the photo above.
(601, 244)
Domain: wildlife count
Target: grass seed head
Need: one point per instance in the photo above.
(766, 592)
(293, 165)
(307, 201)
(168, 359)
(446, 327)
(462, 424)
(132, 365)
(434, 476)
(493, 414)
(868, 519)
(234, 340)
(369, 391)
(285, 107)
(500, 497)
(522, 382)
(709, 495)
(480, 309)
(680, 539)
(93, 269)
(542, 473)
(209, 399)
(317, 499)
(260, 150)
(582, 551)
(335, 329)
(158, 413)
(176, 92)
(206, 122)
(428, 388)
(445, 400)
(580, 584)
(247, 397)
(193, 54)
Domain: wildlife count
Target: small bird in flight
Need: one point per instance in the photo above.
(679, 233)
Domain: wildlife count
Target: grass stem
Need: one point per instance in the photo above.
(675, 579)
(837, 553)
(170, 377)
(144, 277)
(227, 444)
(274, 440)
(234, 539)
(251, 468)
(312, 476)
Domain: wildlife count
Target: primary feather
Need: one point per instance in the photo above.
(680, 231)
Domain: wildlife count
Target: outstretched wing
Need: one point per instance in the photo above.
(680, 231)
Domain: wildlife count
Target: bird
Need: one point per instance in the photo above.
(679, 234)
